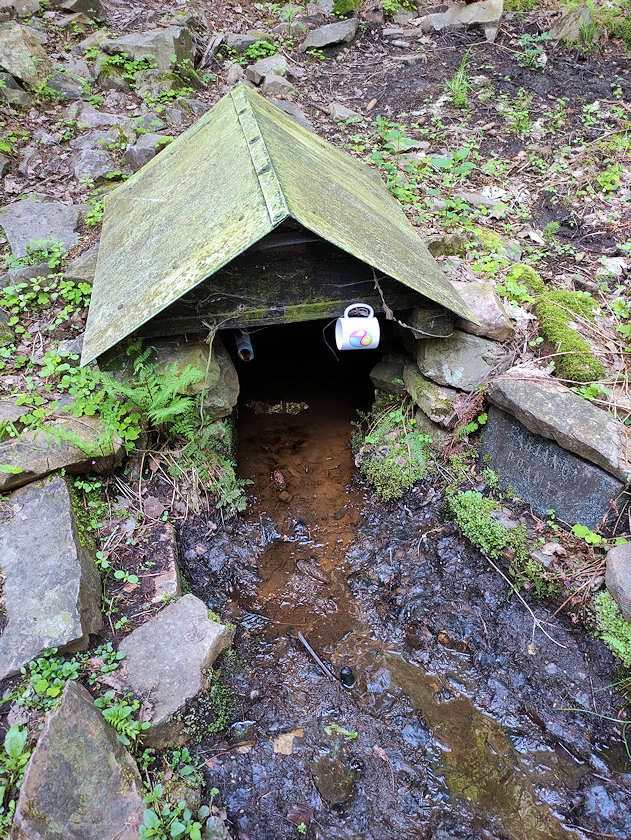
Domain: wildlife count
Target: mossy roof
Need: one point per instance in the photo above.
(233, 177)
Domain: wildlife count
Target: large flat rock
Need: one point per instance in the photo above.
(165, 661)
(461, 360)
(22, 55)
(485, 13)
(52, 589)
(81, 783)
(486, 308)
(222, 398)
(38, 453)
(438, 402)
(618, 577)
(30, 219)
(341, 32)
(551, 410)
(546, 476)
(388, 376)
(161, 45)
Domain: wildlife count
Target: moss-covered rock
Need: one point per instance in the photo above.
(80, 782)
(618, 24)
(493, 243)
(436, 401)
(342, 8)
(555, 310)
(392, 454)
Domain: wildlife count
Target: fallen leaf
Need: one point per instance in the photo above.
(18, 716)
(300, 813)
(380, 753)
(112, 681)
(153, 507)
(145, 711)
(553, 549)
(284, 744)
(244, 748)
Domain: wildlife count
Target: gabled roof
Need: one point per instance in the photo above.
(229, 180)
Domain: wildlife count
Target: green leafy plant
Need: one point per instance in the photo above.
(533, 56)
(472, 513)
(50, 251)
(125, 66)
(517, 111)
(163, 820)
(584, 533)
(521, 6)
(125, 577)
(612, 627)
(391, 7)
(261, 49)
(41, 293)
(389, 451)
(11, 140)
(13, 760)
(288, 14)
(45, 678)
(610, 178)
(118, 712)
(473, 426)
(458, 87)
(44, 93)
(335, 729)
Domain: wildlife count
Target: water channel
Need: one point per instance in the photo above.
(456, 725)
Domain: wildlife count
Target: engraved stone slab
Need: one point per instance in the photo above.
(546, 476)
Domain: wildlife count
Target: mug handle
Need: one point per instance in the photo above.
(371, 312)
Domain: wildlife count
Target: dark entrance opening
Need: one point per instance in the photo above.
(299, 398)
(297, 362)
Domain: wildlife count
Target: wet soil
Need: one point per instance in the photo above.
(460, 721)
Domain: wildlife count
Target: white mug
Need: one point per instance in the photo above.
(357, 332)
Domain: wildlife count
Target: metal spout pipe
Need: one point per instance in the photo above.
(244, 345)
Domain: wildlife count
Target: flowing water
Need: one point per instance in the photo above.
(454, 727)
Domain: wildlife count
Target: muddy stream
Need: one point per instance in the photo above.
(456, 724)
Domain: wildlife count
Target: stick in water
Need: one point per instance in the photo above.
(325, 669)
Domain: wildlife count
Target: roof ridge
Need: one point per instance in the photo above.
(268, 180)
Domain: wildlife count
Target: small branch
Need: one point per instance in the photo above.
(390, 316)
(536, 622)
(324, 668)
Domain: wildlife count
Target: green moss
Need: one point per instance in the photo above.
(392, 455)
(617, 22)
(448, 245)
(555, 308)
(472, 513)
(342, 8)
(554, 311)
(489, 240)
(521, 5)
(612, 627)
(210, 711)
(81, 524)
(525, 275)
